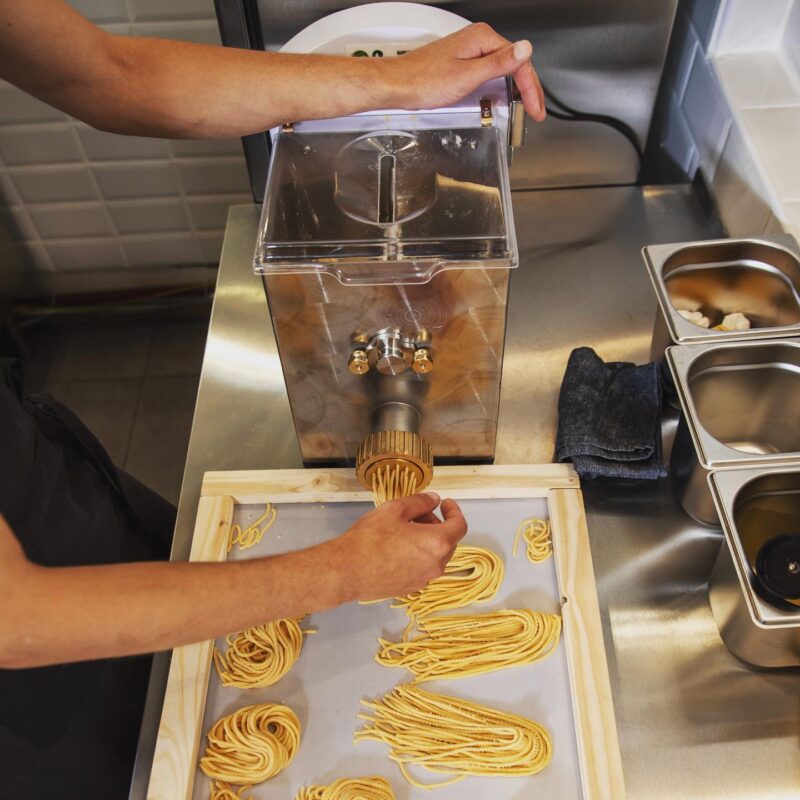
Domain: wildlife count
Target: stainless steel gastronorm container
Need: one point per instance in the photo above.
(741, 407)
(754, 505)
(757, 277)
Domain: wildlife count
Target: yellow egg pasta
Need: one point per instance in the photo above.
(463, 645)
(369, 788)
(453, 737)
(260, 656)
(539, 543)
(391, 482)
(473, 575)
(254, 532)
(252, 744)
(221, 791)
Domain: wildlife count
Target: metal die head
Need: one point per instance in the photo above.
(405, 449)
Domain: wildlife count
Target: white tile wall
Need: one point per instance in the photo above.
(150, 215)
(68, 220)
(80, 199)
(756, 52)
(757, 79)
(45, 184)
(747, 26)
(697, 118)
(137, 179)
(790, 45)
(706, 112)
(733, 108)
(49, 143)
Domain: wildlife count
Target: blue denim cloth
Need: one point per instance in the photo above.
(609, 418)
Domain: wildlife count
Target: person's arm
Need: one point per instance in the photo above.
(157, 87)
(58, 614)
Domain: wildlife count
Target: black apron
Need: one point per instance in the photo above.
(70, 731)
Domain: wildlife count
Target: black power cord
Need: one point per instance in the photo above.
(570, 114)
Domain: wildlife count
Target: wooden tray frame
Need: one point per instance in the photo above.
(180, 729)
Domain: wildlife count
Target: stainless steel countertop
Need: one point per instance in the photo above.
(693, 721)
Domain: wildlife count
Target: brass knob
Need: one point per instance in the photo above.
(422, 362)
(358, 363)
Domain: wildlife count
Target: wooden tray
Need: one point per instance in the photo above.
(226, 494)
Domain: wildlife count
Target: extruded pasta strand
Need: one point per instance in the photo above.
(390, 482)
(260, 656)
(369, 788)
(459, 646)
(221, 791)
(254, 532)
(536, 533)
(252, 744)
(473, 575)
(453, 737)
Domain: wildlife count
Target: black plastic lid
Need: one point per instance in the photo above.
(778, 566)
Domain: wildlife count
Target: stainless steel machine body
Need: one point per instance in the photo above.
(758, 277)
(385, 246)
(755, 505)
(319, 322)
(741, 407)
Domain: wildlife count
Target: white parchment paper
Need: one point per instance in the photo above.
(336, 668)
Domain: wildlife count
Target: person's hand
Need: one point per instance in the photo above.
(441, 73)
(399, 547)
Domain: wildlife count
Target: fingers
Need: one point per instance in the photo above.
(499, 57)
(415, 506)
(428, 519)
(530, 88)
(454, 526)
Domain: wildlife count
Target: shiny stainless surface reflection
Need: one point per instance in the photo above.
(694, 722)
(759, 278)
(748, 398)
(754, 506)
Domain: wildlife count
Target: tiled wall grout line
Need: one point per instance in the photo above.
(23, 209)
(107, 214)
(95, 197)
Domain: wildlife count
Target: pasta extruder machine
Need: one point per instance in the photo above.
(385, 244)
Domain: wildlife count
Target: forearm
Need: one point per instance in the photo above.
(78, 613)
(179, 89)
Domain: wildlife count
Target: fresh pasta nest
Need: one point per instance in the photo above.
(370, 788)
(260, 656)
(252, 744)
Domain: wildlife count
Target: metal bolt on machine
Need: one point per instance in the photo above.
(385, 245)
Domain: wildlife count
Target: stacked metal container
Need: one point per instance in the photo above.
(736, 457)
